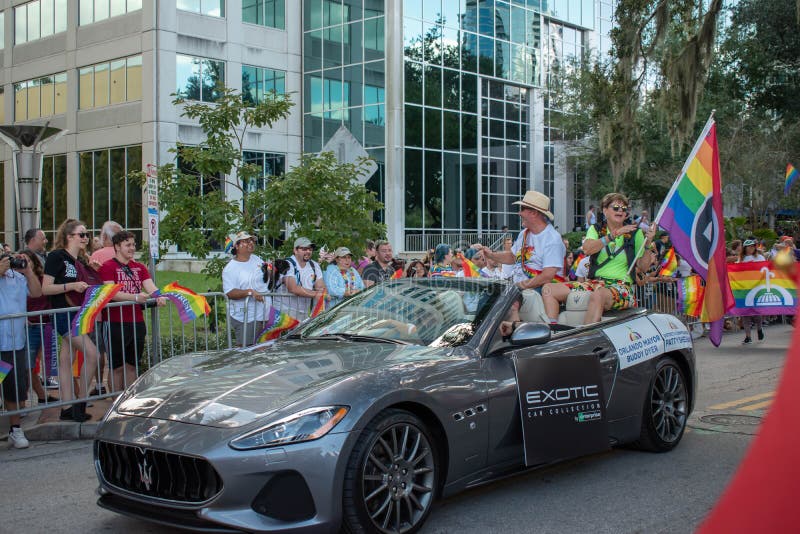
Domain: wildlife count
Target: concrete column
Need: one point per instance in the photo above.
(395, 162)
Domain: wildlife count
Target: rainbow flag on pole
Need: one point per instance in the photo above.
(791, 178)
(95, 299)
(276, 323)
(692, 214)
(397, 274)
(319, 305)
(669, 264)
(470, 269)
(761, 289)
(190, 305)
(690, 295)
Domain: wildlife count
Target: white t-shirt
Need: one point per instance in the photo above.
(582, 271)
(306, 276)
(246, 275)
(757, 257)
(548, 250)
(684, 268)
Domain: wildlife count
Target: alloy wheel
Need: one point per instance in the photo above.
(668, 402)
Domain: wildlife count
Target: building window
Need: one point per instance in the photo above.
(104, 191)
(207, 184)
(257, 82)
(270, 13)
(198, 78)
(40, 97)
(96, 10)
(212, 8)
(54, 193)
(112, 82)
(39, 19)
(2, 30)
(270, 165)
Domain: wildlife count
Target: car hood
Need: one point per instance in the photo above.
(235, 387)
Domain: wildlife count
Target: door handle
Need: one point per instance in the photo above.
(600, 352)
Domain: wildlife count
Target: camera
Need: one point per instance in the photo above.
(16, 263)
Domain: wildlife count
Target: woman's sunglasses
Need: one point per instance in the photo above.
(82, 235)
(619, 208)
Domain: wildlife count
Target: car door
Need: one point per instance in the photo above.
(554, 362)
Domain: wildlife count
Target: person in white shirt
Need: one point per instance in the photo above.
(303, 283)
(750, 253)
(538, 253)
(242, 283)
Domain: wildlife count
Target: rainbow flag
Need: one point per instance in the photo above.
(95, 299)
(669, 264)
(692, 214)
(397, 274)
(470, 269)
(791, 178)
(319, 305)
(690, 295)
(441, 270)
(228, 245)
(761, 289)
(276, 323)
(573, 270)
(5, 368)
(190, 305)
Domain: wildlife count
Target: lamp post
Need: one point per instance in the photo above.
(28, 145)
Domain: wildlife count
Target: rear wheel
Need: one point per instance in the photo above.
(391, 476)
(666, 408)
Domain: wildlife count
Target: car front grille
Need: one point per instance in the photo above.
(157, 474)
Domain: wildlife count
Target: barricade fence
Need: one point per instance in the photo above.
(52, 365)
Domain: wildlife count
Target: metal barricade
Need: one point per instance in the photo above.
(161, 335)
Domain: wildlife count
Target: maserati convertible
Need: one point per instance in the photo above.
(363, 416)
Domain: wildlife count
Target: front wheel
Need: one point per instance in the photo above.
(391, 476)
(666, 408)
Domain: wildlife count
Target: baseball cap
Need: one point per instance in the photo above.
(241, 236)
(303, 242)
(786, 238)
(341, 252)
(749, 243)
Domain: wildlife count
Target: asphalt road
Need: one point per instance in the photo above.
(49, 488)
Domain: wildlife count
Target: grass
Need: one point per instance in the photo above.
(199, 283)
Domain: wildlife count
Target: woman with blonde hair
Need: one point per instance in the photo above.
(66, 277)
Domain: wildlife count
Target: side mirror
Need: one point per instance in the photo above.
(528, 334)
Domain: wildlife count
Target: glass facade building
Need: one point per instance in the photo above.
(474, 119)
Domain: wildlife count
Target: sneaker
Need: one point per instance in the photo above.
(760, 335)
(48, 400)
(51, 383)
(98, 391)
(17, 438)
(747, 341)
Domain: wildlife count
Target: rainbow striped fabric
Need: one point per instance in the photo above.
(397, 274)
(470, 269)
(276, 323)
(228, 245)
(791, 178)
(5, 368)
(761, 289)
(319, 305)
(95, 299)
(669, 264)
(441, 270)
(690, 295)
(573, 270)
(190, 305)
(692, 214)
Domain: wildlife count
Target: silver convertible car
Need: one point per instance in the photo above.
(363, 416)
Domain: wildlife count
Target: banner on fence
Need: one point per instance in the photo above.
(761, 289)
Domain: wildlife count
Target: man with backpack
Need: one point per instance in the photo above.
(614, 245)
(303, 282)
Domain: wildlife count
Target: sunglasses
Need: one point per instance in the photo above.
(619, 208)
(82, 235)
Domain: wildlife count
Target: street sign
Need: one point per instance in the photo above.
(152, 209)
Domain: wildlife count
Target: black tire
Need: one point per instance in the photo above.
(391, 477)
(666, 408)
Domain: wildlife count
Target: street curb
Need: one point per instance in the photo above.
(62, 431)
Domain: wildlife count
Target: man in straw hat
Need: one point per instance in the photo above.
(538, 253)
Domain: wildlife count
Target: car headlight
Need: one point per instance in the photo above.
(306, 425)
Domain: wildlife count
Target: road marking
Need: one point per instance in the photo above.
(741, 402)
(757, 406)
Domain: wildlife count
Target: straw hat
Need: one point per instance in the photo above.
(536, 201)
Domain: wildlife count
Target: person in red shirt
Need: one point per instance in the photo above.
(126, 323)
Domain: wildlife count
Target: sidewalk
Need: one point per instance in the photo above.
(45, 425)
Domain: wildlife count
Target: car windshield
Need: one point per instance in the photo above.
(433, 312)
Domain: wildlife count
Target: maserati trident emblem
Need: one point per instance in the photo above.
(145, 473)
(151, 431)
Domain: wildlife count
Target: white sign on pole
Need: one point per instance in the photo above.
(152, 209)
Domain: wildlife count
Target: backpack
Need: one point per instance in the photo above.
(628, 245)
(296, 270)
